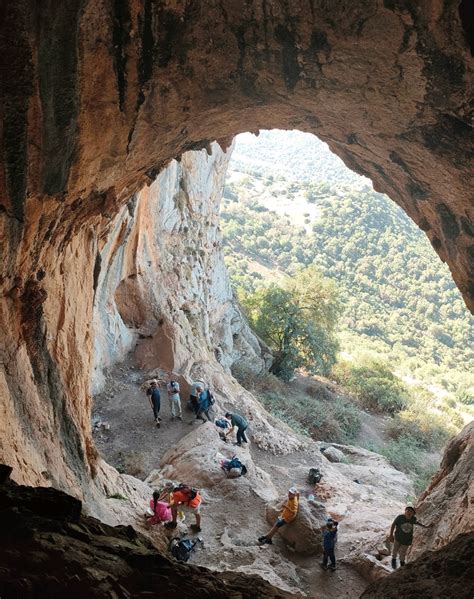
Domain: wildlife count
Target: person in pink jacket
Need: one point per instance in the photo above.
(159, 510)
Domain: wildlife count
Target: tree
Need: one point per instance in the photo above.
(298, 321)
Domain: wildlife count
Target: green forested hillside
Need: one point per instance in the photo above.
(290, 202)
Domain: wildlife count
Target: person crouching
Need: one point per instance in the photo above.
(185, 499)
(159, 510)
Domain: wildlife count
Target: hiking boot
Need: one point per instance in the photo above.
(268, 541)
(196, 528)
(180, 417)
(262, 539)
(332, 568)
(171, 524)
(238, 444)
(394, 564)
(323, 566)
(402, 563)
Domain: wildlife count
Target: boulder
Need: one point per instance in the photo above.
(304, 534)
(196, 460)
(333, 454)
(369, 567)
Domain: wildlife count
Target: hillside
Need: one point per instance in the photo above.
(290, 202)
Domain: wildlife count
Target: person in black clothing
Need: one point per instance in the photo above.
(401, 534)
(153, 394)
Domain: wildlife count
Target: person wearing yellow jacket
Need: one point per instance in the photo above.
(287, 515)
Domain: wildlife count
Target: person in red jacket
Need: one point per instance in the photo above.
(185, 499)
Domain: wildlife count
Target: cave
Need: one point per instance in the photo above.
(102, 101)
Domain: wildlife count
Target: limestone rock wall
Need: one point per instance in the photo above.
(447, 505)
(97, 97)
(161, 284)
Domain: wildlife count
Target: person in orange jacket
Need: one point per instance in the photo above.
(287, 515)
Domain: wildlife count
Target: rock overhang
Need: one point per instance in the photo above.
(97, 101)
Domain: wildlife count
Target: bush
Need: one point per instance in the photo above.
(406, 455)
(374, 384)
(347, 416)
(427, 430)
(336, 421)
(465, 396)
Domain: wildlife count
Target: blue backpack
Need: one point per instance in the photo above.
(181, 549)
(234, 462)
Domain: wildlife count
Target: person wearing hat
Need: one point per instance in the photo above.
(401, 534)
(287, 515)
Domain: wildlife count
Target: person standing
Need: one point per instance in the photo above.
(194, 395)
(153, 394)
(401, 534)
(329, 544)
(174, 400)
(236, 420)
(287, 515)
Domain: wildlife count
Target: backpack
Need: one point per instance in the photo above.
(181, 549)
(191, 492)
(222, 423)
(234, 467)
(314, 476)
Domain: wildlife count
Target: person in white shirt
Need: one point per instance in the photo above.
(174, 400)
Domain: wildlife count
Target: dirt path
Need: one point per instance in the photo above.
(134, 443)
(231, 523)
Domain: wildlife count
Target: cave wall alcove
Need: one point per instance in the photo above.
(98, 97)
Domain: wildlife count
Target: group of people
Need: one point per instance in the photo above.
(173, 501)
(401, 531)
(201, 401)
(174, 399)
(178, 500)
(165, 506)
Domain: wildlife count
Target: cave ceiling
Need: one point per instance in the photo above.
(98, 96)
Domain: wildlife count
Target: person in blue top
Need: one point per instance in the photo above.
(153, 394)
(204, 403)
(329, 544)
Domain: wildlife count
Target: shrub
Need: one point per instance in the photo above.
(426, 429)
(465, 396)
(374, 384)
(336, 421)
(406, 455)
(347, 415)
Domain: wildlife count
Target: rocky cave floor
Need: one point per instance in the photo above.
(233, 517)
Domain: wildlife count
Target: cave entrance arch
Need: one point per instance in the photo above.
(101, 98)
